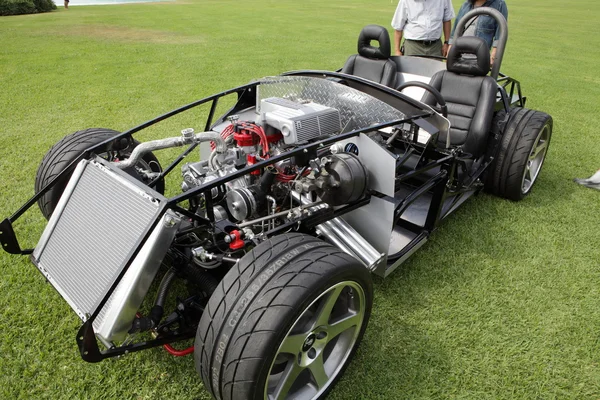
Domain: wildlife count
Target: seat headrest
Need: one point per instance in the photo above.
(469, 55)
(374, 32)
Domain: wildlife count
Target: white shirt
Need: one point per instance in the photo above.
(422, 19)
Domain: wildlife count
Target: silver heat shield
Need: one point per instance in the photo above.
(92, 234)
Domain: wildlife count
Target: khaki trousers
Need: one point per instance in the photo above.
(415, 48)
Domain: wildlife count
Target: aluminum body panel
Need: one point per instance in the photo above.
(380, 163)
(402, 259)
(423, 67)
(399, 239)
(90, 236)
(115, 318)
(374, 223)
(446, 210)
(416, 213)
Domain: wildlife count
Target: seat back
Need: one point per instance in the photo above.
(419, 69)
(372, 62)
(469, 93)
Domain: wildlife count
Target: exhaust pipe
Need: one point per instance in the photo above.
(343, 235)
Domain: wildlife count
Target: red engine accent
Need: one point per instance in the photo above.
(251, 160)
(178, 353)
(245, 138)
(274, 138)
(244, 134)
(236, 243)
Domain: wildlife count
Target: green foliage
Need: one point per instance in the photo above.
(18, 7)
(503, 302)
(44, 5)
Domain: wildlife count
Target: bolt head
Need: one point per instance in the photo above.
(170, 221)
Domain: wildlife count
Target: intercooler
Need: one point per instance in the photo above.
(93, 233)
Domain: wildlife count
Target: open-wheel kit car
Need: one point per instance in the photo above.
(288, 203)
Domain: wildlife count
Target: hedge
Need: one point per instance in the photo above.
(17, 7)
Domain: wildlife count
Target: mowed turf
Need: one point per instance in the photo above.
(502, 303)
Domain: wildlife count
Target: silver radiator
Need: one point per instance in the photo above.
(98, 223)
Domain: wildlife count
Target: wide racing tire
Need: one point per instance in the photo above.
(69, 148)
(284, 322)
(521, 154)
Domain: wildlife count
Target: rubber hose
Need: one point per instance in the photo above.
(163, 288)
(156, 313)
(143, 324)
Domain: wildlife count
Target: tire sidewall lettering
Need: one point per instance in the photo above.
(234, 318)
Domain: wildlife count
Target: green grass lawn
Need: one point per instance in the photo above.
(502, 303)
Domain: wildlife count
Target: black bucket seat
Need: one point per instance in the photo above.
(469, 93)
(372, 62)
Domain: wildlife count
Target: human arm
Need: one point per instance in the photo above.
(398, 23)
(398, 42)
(446, 27)
(462, 11)
(504, 10)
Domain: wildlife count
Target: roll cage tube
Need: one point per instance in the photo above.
(240, 90)
(246, 94)
(497, 15)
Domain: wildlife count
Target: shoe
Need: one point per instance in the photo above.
(592, 182)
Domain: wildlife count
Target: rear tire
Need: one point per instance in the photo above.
(291, 298)
(521, 155)
(69, 148)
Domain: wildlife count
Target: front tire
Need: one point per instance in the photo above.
(284, 322)
(68, 149)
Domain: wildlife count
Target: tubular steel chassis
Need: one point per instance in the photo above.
(439, 185)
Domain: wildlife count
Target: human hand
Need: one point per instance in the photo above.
(398, 52)
(492, 57)
(445, 50)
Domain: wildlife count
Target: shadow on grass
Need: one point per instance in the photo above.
(431, 328)
(400, 357)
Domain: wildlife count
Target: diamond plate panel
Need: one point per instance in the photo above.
(357, 109)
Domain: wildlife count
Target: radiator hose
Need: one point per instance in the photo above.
(206, 282)
(156, 313)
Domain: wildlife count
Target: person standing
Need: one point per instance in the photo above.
(420, 23)
(482, 26)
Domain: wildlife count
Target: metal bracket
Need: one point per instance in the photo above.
(9, 241)
(90, 352)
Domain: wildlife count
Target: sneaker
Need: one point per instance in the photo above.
(592, 182)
